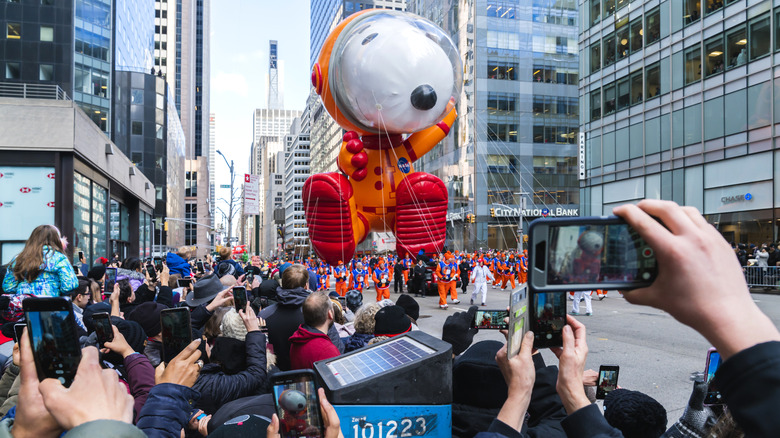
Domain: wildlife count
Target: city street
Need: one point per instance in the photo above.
(656, 354)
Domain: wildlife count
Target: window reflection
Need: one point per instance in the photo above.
(714, 56)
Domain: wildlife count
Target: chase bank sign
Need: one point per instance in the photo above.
(736, 198)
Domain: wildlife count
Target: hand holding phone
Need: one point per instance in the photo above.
(103, 328)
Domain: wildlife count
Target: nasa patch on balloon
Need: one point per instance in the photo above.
(403, 165)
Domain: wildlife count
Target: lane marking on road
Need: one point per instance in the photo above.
(603, 339)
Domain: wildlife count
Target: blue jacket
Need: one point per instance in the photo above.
(178, 265)
(167, 410)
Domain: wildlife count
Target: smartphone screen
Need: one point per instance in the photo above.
(103, 328)
(54, 340)
(490, 319)
(110, 281)
(713, 362)
(81, 255)
(158, 264)
(18, 330)
(589, 253)
(200, 266)
(176, 331)
(239, 297)
(548, 316)
(297, 404)
(184, 282)
(608, 380)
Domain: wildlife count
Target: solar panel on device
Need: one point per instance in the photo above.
(377, 360)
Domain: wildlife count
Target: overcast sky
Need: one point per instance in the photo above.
(240, 32)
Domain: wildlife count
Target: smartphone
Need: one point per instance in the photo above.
(297, 404)
(103, 328)
(110, 281)
(51, 327)
(250, 278)
(184, 282)
(490, 320)
(81, 255)
(158, 264)
(199, 264)
(608, 380)
(239, 297)
(152, 272)
(548, 316)
(714, 360)
(18, 330)
(176, 331)
(571, 254)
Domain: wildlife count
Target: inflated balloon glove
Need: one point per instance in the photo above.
(458, 332)
(697, 418)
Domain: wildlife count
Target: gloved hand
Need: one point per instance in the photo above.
(457, 330)
(697, 418)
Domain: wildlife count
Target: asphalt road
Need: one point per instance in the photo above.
(656, 354)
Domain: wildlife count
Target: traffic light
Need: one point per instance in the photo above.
(165, 225)
(492, 212)
(525, 238)
(473, 218)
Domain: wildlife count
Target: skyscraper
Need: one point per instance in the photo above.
(512, 151)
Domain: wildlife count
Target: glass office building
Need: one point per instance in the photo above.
(680, 101)
(92, 60)
(512, 152)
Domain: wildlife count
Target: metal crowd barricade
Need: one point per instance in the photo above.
(759, 277)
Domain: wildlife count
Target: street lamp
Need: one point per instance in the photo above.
(230, 208)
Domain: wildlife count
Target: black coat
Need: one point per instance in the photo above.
(217, 388)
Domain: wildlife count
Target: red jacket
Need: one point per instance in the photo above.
(308, 346)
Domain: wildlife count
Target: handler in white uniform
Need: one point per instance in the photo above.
(479, 276)
(576, 304)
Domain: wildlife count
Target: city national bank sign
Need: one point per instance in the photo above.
(535, 212)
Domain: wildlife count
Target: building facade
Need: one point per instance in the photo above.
(59, 168)
(296, 171)
(512, 152)
(680, 101)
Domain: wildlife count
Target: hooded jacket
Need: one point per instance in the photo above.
(284, 318)
(178, 265)
(308, 345)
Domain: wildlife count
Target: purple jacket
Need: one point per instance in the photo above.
(140, 376)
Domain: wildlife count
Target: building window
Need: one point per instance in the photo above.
(595, 11)
(137, 96)
(609, 50)
(777, 30)
(636, 35)
(714, 52)
(652, 81)
(160, 131)
(500, 9)
(502, 70)
(12, 70)
(759, 37)
(624, 94)
(595, 105)
(636, 87)
(13, 31)
(622, 40)
(595, 56)
(653, 25)
(47, 33)
(691, 12)
(609, 7)
(713, 5)
(137, 128)
(190, 228)
(736, 44)
(503, 102)
(46, 72)
(693, 65)
(609, 99)
(502, 132)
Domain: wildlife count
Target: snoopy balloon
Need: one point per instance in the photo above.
(391, 80)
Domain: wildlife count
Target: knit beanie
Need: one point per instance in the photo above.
(147, 315)
(635, 414)
(354, 300)
(392, 321)
(132, 331)
(410, 306)
(232, 326)
(97, 272)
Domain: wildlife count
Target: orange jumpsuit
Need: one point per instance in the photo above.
(447, 277)
(509, 274)
(382, 283)
(523, 273)
(341, 275)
